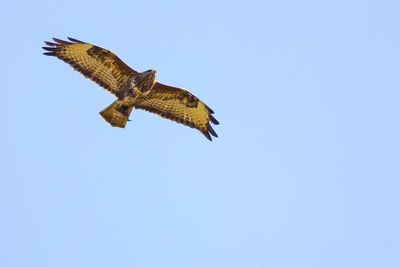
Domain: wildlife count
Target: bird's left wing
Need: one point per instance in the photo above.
(181, 106)
(96, 63)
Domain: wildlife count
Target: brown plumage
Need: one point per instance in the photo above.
(133, 89)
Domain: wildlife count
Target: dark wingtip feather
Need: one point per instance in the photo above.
(206, 134)
(50, 43)
(61, 41)
(49, 48)
(49, 53)
(211, 130)
(209, 109)
(213, 120)
(75, 40)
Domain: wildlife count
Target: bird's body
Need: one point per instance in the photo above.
(133, 89)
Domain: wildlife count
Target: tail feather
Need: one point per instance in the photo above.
(116, 114)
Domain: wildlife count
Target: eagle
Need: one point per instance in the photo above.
(133, 89)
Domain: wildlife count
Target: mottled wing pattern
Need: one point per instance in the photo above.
(181, 106)
(96, 63)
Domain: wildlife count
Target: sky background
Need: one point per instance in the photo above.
(305, 171)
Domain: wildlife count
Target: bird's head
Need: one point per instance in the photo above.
(146, 80)
(153, 72)
(149, 74)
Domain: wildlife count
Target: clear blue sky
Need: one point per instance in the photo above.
(305, 171)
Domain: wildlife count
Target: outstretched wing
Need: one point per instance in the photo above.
(181, 106)
(96, 63)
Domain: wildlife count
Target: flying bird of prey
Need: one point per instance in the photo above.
(133, 89)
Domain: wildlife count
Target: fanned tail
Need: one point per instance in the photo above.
(116, 114)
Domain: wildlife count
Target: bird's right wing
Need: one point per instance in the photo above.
(96, 63)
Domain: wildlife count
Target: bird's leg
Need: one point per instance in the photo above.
(125, 105)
